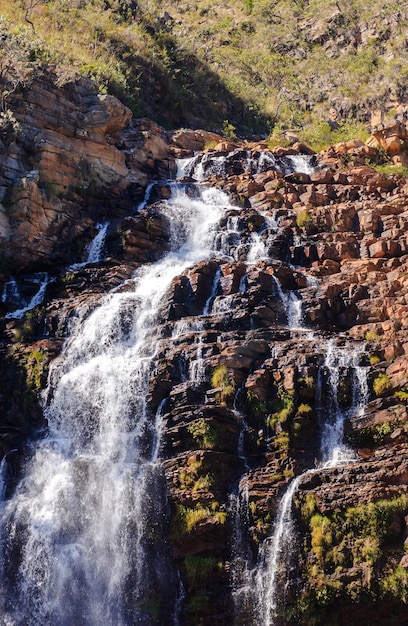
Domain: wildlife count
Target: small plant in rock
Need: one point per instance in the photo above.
(381, 384)
(371, 335)
(304, 219)
(200, 570)
(203, 433)
(221, 380)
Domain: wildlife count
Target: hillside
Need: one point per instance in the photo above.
(248, 64)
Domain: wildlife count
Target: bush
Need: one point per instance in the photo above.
(203, 433)
(303, 219)
(381, 384)
(221, 380)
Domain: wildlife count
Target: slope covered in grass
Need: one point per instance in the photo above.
(257, 64)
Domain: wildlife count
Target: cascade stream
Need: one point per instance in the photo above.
(86, 528)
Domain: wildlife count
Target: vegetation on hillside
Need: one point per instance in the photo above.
(257, 64)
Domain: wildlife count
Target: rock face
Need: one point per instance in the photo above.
(76, 160)
(307, 264)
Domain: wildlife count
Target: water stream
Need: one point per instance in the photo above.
(13, 293)
(79, 519)
(340, 364)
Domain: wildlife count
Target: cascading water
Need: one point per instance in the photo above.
(12, 294)
(79, 538)
(205, 165)
(339, 365)
(95, 248)
(278, 549)
(82, 525)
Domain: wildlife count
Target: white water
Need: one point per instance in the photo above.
(337, 363)
(272, 557)
(208, 164)
(81, 513)
(197, 365)
(11, 292)
(277, 551)
(147, 194)
(41, 279)
(95, 248)
(214, 289)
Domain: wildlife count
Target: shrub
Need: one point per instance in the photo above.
(381, 384)
(221, 380)
(203, 433)
(303, 219)
(371, 335)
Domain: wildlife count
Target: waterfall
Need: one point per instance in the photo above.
(95, 248)
(207, 164)
(300, 163)
(197, 366)
(241, 579)
(79, 539)
(11, 293)
(272, 553)
(214, 289)
(147, 194)
(293, 306)
(338, 364)
(277, 551)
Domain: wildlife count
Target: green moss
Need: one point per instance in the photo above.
(354, 540)
(395, 584)
(192, 478)
(187, 518)
(370, 335)
(257, 406)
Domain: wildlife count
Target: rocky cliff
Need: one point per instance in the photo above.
(301, 308)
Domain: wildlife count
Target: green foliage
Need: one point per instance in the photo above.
(192, 478)
(35, 369)
(249, 5)
(370, 335)
(200, 570)
(374, 359)
(258, 407)
(395, 584)
(228, 130)
(304, 409)
(252, 63)
(321, 135)
(188, 518)
(402, 394)
(354, 538)
(222, 381)
(381, 384)
(203, 433)
(392, 170)
(303, 219)
(284, 409)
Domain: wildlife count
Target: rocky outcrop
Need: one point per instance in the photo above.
(77, 159)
